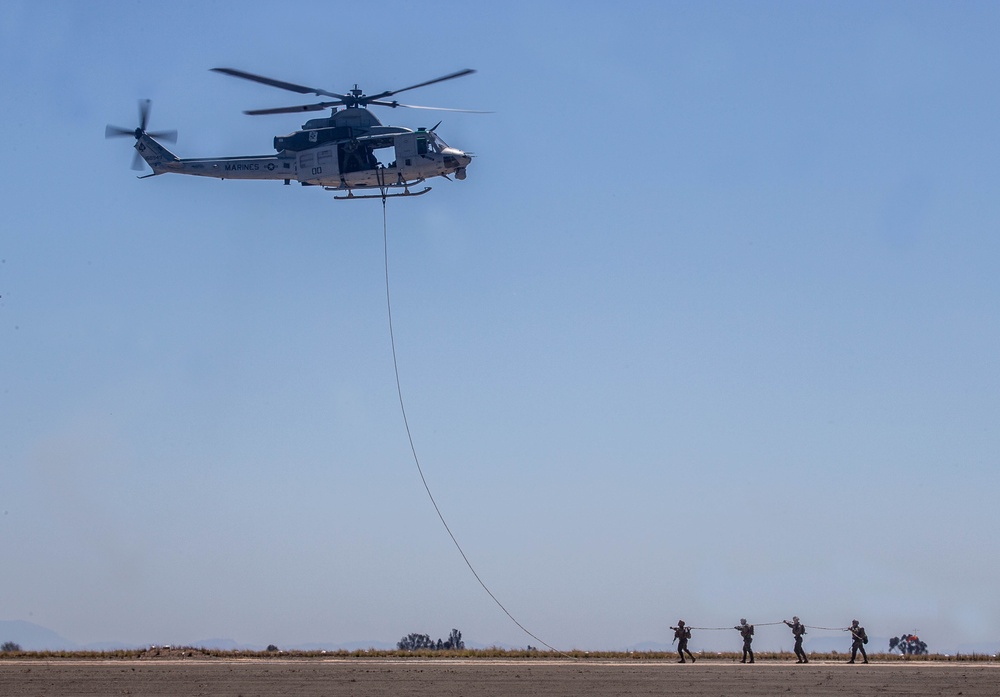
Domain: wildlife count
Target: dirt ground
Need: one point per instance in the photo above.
(484, 678)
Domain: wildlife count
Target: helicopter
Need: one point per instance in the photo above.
(339, 153)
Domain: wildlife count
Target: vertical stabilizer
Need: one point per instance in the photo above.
(155, 155)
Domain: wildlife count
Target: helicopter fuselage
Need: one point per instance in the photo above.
(350, 150)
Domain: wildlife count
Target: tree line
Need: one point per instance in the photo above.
(908, 644)
(418, 642)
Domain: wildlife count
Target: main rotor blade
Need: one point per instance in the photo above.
(460, 73)
(281, 84)
(294, 109)
(429, 108)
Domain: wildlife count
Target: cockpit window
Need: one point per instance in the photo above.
(428, 143)
(438, 143)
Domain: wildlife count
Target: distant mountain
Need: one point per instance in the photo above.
(32, 637)
(651, 646)
(469, 644)
(112, 646)
(362, 645)
(346, 646)
(987, 648)
(842, 644)
(233, 645)
(224, 645)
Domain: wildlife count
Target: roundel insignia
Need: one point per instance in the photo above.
(270, 166)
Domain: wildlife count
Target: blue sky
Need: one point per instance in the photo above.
(710, 331)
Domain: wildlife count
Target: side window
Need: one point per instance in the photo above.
(421, 145)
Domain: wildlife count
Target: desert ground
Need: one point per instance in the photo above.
(484, 678)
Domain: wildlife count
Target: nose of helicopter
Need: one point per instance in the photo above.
(456, 158)
(457, 161)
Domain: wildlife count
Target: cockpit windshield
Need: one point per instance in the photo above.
(428, 142)
(439, 144)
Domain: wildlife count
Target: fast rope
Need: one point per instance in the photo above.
(413, 449)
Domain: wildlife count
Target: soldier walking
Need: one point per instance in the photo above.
(798, 629)
(860, 638)
(681, 636)
(746, 631)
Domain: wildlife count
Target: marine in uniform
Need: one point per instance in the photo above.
(746, 631)
(798, 629)
(681, 636)
(860, 638)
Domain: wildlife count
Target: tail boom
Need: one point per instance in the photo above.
(162, 161)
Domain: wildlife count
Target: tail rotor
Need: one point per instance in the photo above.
(119, 132)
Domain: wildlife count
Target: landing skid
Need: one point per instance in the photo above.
(351, 195)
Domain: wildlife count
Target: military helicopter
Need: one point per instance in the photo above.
(339, 153)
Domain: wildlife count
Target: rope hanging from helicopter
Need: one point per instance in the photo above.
(384, 190)
(413, 450)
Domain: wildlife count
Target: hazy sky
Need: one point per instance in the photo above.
(710, 331)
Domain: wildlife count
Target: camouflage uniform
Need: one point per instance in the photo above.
(746, 631)
(681, 636)
(798, 629)
(860, 638)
